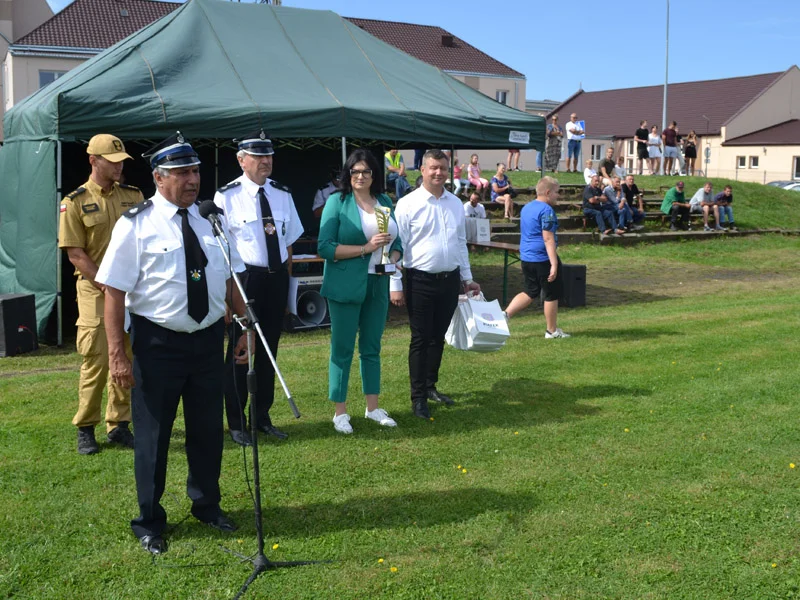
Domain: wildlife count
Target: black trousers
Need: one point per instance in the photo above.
(678, 214)
(168, 366)
(269, 292)
(431, 301)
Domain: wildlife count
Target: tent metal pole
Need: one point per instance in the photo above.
(344, 150)
(216, 165)
(59, 290)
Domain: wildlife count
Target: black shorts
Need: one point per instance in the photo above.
(641, 151)
(536, 274)
(690, 152)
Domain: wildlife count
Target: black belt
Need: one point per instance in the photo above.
(426, 275)
(256, 269)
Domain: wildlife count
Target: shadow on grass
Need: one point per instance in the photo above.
(638, 333)
(598, 295)
(414, 509)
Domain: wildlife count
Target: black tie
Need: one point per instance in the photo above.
(273, 248)
(196, 261)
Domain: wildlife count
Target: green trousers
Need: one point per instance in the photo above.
(368, 320)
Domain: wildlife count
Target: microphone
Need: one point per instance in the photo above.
(209, 210)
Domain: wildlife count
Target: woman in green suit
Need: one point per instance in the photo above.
(352, 245)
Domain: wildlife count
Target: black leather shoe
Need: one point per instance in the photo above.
(154, 544)
(274, 431)
(222, 523)
(436, 396)
(420, 409)
(241, 437)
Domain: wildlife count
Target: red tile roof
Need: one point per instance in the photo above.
(618, 112)
(783, 134)
(99, 24)
(425, 43)
(96, 23)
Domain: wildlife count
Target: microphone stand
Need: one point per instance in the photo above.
(249, 324)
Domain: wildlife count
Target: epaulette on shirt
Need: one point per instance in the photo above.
(280, 186)
(75, 194)
(125, 186)
(139, 208)
(229, 186)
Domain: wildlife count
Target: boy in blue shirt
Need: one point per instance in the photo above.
(541, 266)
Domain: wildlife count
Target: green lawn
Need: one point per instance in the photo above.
(649, 456)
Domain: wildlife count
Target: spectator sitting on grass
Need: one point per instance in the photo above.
(724, 200)
(588, 172)
(615, 200)
(502, 191)
(606, 167)
(676, 207)
(620, 170)
(593, 207)
(633, 197)
(474, 208)
(702, 203)
(396, 173)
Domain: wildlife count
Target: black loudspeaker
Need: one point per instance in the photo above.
(307, 308)
(17, 324)
(574, 283)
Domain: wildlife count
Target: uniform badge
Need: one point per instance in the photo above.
(269, 228)
(262, 135)
(196, 275)
(180, 138)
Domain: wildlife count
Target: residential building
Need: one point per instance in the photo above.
(747, 125)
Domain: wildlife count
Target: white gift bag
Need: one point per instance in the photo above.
(477, 230)
(477, 325)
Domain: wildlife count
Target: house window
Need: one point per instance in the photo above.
(501, 96)
(597, 151)
(753, 162)
(630, 148)
(630, 165)
(46, 77)
(741, 162)
(796, 169)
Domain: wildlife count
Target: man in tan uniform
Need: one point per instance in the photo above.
(87, 217)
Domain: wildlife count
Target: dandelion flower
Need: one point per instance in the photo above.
(774, 565)
(674, 363)
(275, 546)
(463, 470)
(431, 418)
(516, 433)
(627, 430)
(380, 561)
(791, 465)
(393, 569)
(459, 467)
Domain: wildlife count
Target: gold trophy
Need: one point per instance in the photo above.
(382, 215)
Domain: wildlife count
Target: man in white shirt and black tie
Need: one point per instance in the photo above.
(264, 224)
(431, 227)
(164, 265)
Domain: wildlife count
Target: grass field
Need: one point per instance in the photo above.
(649, 456)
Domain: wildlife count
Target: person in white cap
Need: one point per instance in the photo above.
(87, 217)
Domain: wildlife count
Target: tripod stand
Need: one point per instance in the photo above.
(250, 325)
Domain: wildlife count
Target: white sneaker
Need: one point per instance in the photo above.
(381, 417)
(341, 423)
(556, 334)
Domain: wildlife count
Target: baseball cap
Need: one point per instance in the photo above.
(108, 146)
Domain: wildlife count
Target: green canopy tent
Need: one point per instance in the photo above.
(214, 69)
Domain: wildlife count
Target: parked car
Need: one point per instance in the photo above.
(786, 185)
(795, 186)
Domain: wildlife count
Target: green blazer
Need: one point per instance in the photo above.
(345, 280)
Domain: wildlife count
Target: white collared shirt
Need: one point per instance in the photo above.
(433, 233)
(322, 195)
(243, 215)
(145, 259)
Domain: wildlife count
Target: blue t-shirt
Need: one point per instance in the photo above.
(536, 217)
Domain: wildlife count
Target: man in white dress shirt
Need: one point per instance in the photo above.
(264, 224)
(164, 265)
(430, 222)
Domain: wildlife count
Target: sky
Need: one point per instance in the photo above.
(603, 45)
